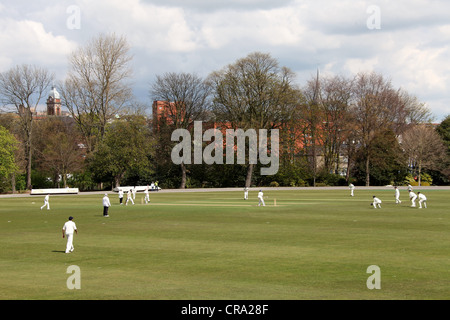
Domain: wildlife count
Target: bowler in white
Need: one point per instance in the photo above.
(46, 202)
(67, 231)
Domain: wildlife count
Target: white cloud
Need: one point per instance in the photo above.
(145, 25)
(26, 41)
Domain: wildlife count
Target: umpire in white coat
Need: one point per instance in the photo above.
(106, 205)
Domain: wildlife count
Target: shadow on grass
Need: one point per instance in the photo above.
(59, 251)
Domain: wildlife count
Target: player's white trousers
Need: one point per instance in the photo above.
(46, 204)
(413, 201)
(69, 246)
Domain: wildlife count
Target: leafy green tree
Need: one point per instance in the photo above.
(8, 145)
(127, 145)
(443, 129)
(388, 162)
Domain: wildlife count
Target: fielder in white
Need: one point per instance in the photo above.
(67, 231)
(129, 197)
(46, 202)
(412, 197)
(422, 199)
(397, 196)
(261, 198)
(352, 189)
(376, 202)
(245, 193)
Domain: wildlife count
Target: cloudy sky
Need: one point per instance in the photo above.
(407, 41)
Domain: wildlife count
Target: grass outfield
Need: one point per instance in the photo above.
(314, 244)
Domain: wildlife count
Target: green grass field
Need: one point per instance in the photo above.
(314, 244)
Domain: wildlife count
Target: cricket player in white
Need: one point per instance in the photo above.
(46, 202)
(68, 229)
(422, 199)
(245, 193)
(412, 197)
(134, 193)
(146, 198)
(261, 198)
(397, 196)
(352, 188)
(129, 197)
(376, 202)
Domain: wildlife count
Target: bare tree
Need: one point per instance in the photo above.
(336, 95)
(97, 88)
(424, 147)
(254, 93)
(185, 99)
(57, 151)
(312, 117)
(22, 88)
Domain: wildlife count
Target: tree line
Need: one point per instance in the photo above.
(333, 129)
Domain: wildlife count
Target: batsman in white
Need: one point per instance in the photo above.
(245, 193)
(147, 197)
(67, 231)
(261, 198)
(422, 199)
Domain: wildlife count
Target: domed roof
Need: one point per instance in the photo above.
(54, 94)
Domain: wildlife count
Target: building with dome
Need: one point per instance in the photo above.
(54, 103)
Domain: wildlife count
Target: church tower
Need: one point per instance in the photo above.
(54, 103)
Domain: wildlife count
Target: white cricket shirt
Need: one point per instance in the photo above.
(70, 227)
